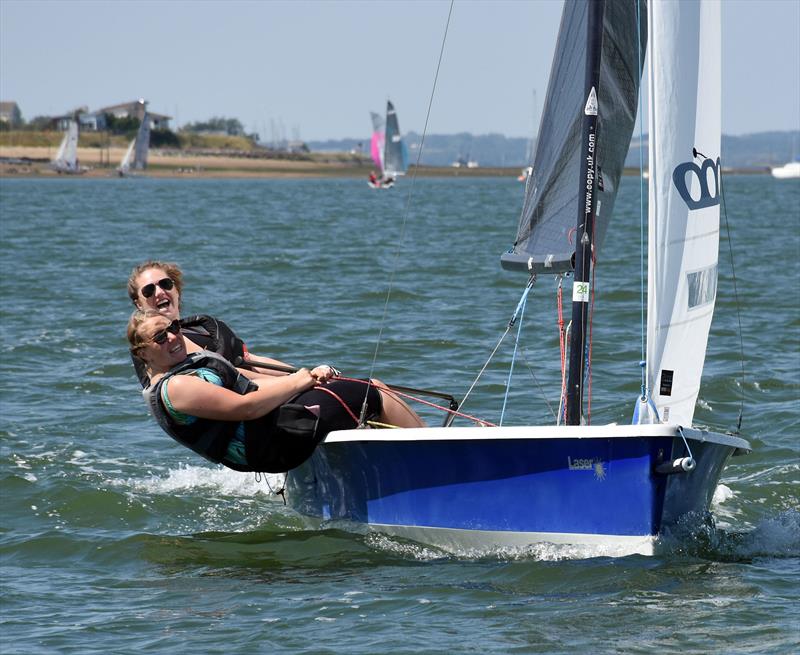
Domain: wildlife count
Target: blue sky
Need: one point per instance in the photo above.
(314, 70)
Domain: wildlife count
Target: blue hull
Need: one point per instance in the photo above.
(597, 487)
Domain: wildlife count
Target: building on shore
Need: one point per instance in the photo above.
(10, 114)
(136, 109)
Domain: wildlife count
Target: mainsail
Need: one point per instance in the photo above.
(142, 144)
(396, 154)
(66, 159)
(545, 239)
(685, 47)
(378, 138)
(136, 154)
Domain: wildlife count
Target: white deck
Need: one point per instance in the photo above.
(535, 432)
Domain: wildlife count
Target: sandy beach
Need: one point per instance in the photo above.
(19, 161)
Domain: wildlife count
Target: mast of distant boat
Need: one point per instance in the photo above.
(581, 289)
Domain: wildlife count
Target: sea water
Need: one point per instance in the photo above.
(114, 539)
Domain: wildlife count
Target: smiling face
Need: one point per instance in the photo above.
(171, 350)
(164, 301)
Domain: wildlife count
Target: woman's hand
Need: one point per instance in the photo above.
(323, 373)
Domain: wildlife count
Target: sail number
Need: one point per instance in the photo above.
(580, 292)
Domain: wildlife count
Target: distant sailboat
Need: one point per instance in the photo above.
(788, 171)
(66, 159)
(387, 148)
(136, 155)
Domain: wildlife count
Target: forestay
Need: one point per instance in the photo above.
(545, 239)
(684, 100)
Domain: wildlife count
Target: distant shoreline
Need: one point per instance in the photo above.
(34, 162)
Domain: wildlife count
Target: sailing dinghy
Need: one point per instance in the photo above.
(613, 489)
(387, 148)
(66, 159)
(136, 155)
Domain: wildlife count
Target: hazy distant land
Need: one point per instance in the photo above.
(493, 155)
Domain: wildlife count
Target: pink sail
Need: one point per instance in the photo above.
(378, 140)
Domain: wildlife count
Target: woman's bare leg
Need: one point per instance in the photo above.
(395, 411)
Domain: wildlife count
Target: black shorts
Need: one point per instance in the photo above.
(332, 415)
(288, 435)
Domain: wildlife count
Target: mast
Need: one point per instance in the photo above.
(584, 234)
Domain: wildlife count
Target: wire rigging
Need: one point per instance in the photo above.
(736, 296)
(404, 220)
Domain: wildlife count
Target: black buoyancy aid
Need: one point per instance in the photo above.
(206, 437)
(207, 332)
(212, 334)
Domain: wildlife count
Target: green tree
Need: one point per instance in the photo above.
(127, 125)
(164, 139)
(217, 124)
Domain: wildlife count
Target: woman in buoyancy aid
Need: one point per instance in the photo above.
(158, 286)
(249, 421)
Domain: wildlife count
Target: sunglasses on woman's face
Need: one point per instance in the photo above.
(165, 283)
(161, 336)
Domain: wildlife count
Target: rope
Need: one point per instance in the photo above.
(521, 310)
(280, 492)
(341, 402)
(405, 215)
(562, 342)
(536, 380)
(397, 394)
(511, 322)
(685, 443)
(736, 296)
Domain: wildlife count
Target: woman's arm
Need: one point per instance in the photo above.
(196, 397)
(255, 359)
(321, 374)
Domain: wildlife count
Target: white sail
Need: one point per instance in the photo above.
(66, 159)
(136, 155)
(684, 100)
(125, 164)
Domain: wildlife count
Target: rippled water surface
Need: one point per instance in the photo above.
(115, 539)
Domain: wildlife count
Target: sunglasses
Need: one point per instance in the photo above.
(165, 283)
(161, 336)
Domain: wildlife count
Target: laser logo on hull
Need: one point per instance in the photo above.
(588, 464)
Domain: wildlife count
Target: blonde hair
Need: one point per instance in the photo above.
(135, 323)
(172, 270)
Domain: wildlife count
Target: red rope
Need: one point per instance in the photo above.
(591, 316)
(562, 340)
(341, 402)
(393, 392)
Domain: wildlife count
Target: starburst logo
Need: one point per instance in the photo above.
(599, 470)
(595, 465)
